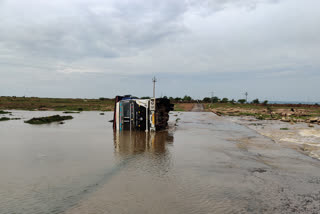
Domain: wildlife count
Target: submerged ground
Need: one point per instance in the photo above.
(202, 164)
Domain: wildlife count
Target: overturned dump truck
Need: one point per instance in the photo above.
(132, 113)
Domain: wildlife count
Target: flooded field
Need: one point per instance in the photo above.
(202, 164)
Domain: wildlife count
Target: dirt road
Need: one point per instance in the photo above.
(197, 107)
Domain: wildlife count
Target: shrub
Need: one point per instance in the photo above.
(242, 101)
(224, 100)
(256, 101)
(187, 98)
(207, 100)
(50, 119)
(4, 112)
(215, 99)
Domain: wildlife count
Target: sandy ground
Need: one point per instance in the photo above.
(298, 136)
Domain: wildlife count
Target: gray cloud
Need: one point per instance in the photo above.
(94, 29)
(64, 40)
(76, 29)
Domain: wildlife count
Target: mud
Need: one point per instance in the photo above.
(48, 119)
(202, 164)
(298, 136)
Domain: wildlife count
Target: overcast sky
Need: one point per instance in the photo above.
(101, 48)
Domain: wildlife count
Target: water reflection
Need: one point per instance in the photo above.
(144, 153)
(136, 142)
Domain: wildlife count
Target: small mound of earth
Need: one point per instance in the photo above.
(50, 119)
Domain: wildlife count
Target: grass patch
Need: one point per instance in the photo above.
(4, 118)
(177, 107)
(183, 106)
(231, 105)
(7, 118)
(46, 120)
(4, 112)
(56, 104)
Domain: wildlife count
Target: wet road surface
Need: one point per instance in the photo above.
(202, 164)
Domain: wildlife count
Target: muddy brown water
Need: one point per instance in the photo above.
(202, 164)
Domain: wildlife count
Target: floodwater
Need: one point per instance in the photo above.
(202, 164)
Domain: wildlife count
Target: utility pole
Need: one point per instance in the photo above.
(246, 96)
(153, 107)
(154, 80)
(212, 93)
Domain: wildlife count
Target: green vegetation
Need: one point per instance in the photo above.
(264, 111)
(207, 100)
(213, 100)
(187, 98)
(224, 106)
(56, 104)
(50, 119)
(178, 109)
(4, 118)
(256, 101)
(7, 118)
(183, 106)
(232, 105)
(71, 112)
(241, 101)
(224, 100)
(4, 112)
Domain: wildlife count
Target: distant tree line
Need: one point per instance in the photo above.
(215, 99)
(226, 100)
(186, 98)
(189, 99)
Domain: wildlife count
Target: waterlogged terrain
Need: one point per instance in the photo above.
(202, 164)
(299, 136)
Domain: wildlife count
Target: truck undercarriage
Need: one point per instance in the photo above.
(132, 113)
